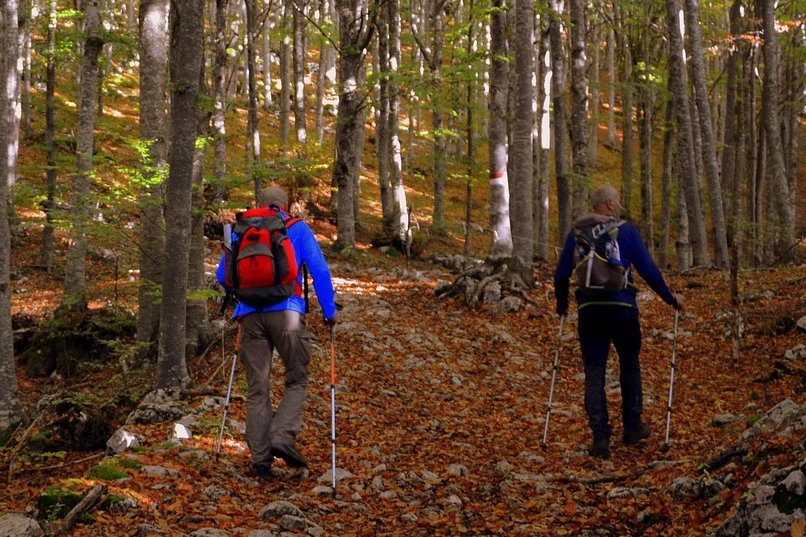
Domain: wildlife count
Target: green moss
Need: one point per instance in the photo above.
(55, 502)
(107, 472)
(132, 464)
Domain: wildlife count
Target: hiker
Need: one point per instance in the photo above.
(280, 326)
(610, 314)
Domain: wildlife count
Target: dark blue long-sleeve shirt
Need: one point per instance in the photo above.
(633, 254)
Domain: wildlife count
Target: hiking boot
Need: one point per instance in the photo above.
(633, 436)
(290, 455)
(261, 470)
(600, 448)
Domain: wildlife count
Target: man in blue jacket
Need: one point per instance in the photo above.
(282, 327)
(612, 317)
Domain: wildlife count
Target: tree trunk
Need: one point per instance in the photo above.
(627, 124)
(219, 124)
(153, 68)
(298, 20)
(400, 206)
(564, 208)
(666, 188)
(187, 39)
(322, 78)
(771, 119)
(252, 131)
(678, 81)
(10, 407)
(197, 317)
(645, 118)
(268, 98)
(46, 258)
(579, 106)
(497, 134)
(731, 133)
(522, 129)
(382, 141)
(596, 95)
(285, 74)
(721, 253)
(75, 280)
(544, 170)
(611, 89)
(354, 37)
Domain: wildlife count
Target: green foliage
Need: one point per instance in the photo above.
(131, 464)
(107, 472)
(55, 502)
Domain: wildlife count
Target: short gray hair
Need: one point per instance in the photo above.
(603, 194)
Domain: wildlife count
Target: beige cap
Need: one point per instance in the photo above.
(273, 195)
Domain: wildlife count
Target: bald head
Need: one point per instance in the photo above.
(605, 200)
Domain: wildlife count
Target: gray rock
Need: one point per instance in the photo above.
(341, 475)
(208, 532)
(795, 483)
(721, 420)
(145, 530)
(798, 352)
(214, 492)
(509, 304)
(159, 406)
(121, 440)
(279, 509)
(19, 525)
(458, 470)
(159, 471)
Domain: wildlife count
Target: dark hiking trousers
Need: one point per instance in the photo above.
(262, 333)
(599, 325)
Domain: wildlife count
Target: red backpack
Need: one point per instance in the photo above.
(261, 268)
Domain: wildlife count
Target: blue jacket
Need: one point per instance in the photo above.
(633, 254)
(306, 250)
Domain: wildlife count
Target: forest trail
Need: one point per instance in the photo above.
(440, 416)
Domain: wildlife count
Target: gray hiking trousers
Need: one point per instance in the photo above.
(261, 333)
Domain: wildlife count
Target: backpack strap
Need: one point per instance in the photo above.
(290, 221)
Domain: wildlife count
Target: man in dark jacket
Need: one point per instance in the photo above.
(611, 317)
(281, 326)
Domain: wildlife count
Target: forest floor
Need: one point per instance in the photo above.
(440, 417)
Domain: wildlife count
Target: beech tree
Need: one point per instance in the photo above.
(153, 27)
(9, 393)
(75, 277)
(497, 133)
(187, 39)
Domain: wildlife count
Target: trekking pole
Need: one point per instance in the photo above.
(553, 378)
(671, 381)
(229, 391)
(333, 405)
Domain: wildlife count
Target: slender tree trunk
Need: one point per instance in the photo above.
(544, 172)
(10, 407)
(731, 134)
(627, 124)
(219, 123)
(720, 237)
(285, 74)
(252, 130)
(611, 88)
(75, 279)
(497, 135)
(298, 20)
(645, 118)
(153, 68)
(771, 117)
(354, 38)
(596, 95)
(187, 38)
(579, 106)
(400, 206)
(383, 143)
(50, 144)
(521, 204)
(666, 188)
(197, 317)
(322, 77)
(564, 207)
(25, 81)
(678, 80)
(268, 98)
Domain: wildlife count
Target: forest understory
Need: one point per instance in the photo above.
(440, 417)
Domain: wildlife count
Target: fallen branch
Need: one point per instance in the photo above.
(86, 505)
(723, 458)
(71, 463)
